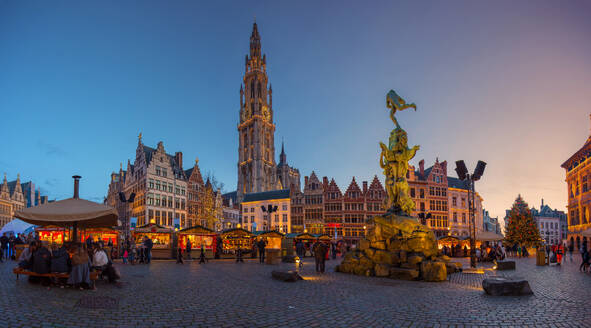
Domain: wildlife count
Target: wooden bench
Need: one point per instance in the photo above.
(94, 275)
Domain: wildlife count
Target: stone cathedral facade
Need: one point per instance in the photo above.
(257, 170)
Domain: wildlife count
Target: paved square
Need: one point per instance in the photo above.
(226, 294)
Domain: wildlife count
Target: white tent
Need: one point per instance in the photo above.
(15, 226)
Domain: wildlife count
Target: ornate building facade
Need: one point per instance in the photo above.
(257, 170)
(551, 223)
(442, 200)
(578, 182)
(159, 184)
(14, 196)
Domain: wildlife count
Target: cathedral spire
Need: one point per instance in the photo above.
(255, 42)
(282, 156)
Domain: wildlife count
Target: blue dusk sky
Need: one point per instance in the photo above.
(507, 82)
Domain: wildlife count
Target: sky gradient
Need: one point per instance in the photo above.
(506, 82)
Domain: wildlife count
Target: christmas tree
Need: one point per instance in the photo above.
(521, 227)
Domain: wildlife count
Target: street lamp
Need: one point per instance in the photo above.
(123, 200)
(463, 175)
(269, 209)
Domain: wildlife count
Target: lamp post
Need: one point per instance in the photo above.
(463, 175)
(269, 209)
(124, 200)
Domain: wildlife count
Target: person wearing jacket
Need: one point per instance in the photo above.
(60, 260)
(24, 260)
(261, 246)
(41, 261)
(80, 275)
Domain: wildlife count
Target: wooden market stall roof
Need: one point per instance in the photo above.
(152, 228)
(65, 213)
(488, 236)
(305, 235)
(269, 233)
(323, 237)
(238, 231)
(197, 229)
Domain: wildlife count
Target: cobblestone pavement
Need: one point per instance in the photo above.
(226, 294)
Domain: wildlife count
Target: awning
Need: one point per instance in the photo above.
(65, 212)
(488, 236)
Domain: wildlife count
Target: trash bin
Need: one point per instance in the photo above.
(540, 256)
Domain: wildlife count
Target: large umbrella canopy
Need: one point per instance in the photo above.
(15, 226)
(65, 213)
(488, 236)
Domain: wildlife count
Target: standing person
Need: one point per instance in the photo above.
(300, 249)
(148, 244)
(261, 246)
(571, 247)
(4, 246)
(202, 255)
(89, 242)
(125, 255)
(333, 250)
(559, 252)
(188, 249)
(11, 241)
(132, 254)
(319, 256)
(239, 254)
(179, 255)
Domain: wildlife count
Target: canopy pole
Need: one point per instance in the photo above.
(75, 233)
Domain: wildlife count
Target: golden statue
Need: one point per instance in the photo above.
(394, 160)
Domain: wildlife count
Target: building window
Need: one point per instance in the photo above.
(463, 217)
(164, 172)
(284, 217)
(284, 207)
(422, 193)
(158, 170)
(170, 187)
(455, 217)
(252, 210)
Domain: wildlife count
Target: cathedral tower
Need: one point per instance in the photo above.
(256, 150)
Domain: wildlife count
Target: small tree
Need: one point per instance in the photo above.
(521, 227)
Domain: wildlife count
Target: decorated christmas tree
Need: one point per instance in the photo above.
(521, 227)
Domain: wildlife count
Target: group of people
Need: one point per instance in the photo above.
(455, 250)
(76, 259)
(9, 241)
(188, 247)
(142, 254)
(491, 253)
(333, 250)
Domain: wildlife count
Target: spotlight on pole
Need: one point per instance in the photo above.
(479, 171)
(461, 169)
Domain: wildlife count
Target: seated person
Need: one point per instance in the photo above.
(60, 259)
(99, 258)
(24, 260)
(41, 261)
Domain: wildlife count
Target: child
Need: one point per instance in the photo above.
(132, 254)
(125, 255)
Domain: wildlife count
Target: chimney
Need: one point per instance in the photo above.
(305, 180)
(422, 168)
(444, 167)
(364, 187)
(542, 204)
(178, 157)
(325, 181)
(76, 186)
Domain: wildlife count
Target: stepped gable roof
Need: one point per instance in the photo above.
(149, 152)
(376, 184)
(456, 183)
(266, 195)
(333, 187)
(353, 187)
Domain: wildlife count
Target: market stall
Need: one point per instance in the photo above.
(308, 240)
(273, 239)
(198, 235)
(453, 245)
(235, 238)
(161, 238)
(53, 234)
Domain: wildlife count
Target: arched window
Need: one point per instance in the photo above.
(252, 88)
(259, 89)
